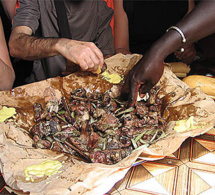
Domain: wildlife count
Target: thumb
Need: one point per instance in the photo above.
(132, 99)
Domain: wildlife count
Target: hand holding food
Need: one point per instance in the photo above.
(144, 75)
(85, 54)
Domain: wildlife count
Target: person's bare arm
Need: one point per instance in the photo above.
(23, 45)
(9, 7)
(191, 5)
(147, 72)
(121, 32)
(7, 75)
(197, 24)
(189, 53)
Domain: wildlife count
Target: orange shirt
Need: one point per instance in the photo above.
(110, 4)
(17, 4)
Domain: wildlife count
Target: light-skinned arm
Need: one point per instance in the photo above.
(25, 46)
(121, 31)
(7, 75)
(9, 7)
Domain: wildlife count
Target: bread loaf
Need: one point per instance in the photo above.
(207, 84)
(180, 74)
(179, 67)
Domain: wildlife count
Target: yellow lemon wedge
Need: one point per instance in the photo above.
(186, 125)
(46, 168)
(98, 71)
(6, 113)
(112, 78)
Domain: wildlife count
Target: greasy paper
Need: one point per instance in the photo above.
(77, 177)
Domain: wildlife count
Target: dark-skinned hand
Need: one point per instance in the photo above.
(143, 76)
(188, 55)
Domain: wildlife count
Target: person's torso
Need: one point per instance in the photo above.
(83, 18)
(86, 19)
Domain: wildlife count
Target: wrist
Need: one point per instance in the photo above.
(168, 43)
(60, 46)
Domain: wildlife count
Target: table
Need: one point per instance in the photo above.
(188, 171)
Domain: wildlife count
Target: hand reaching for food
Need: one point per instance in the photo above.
(144, 75)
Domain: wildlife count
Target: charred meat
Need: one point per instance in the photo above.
(96, 127)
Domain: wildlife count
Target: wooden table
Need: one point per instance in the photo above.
(188, 171)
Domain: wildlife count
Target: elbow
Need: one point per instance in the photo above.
(14, 52)
(16, 46)
(11, 79)
(7, 84)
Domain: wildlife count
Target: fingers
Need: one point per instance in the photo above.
(89, 62)
(188, 55)
(90, 59)
(125, 89)
(98, 55)
(145, 88)
(134, 88)
(86, 54)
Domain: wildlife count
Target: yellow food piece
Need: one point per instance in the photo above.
(112, 78)
(98, 71)
(6, 113)
(46, 168)
(186, 125)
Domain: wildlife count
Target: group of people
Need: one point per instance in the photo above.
(139, 27)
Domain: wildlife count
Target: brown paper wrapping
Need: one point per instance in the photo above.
(76, 176)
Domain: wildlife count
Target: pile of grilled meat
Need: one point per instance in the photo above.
(96, 127)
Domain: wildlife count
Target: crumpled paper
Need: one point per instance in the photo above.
(76, 176)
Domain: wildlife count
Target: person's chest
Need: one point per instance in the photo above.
(82, 18)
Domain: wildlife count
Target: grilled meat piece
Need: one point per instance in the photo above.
(96, 126)
(110, 156)
(107, 121)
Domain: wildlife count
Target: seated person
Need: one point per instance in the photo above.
(138, 24)
(35, 36)
(7, 75)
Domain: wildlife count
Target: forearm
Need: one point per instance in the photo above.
(28, 47)
(121, 30)
(7, 76)
(196, 25)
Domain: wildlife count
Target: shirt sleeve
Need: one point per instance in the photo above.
(28, 14)
(104, 38)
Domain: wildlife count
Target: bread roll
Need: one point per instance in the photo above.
(180, 74)
(207, 84)
(179, 67)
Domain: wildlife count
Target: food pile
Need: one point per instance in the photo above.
(96, 126)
